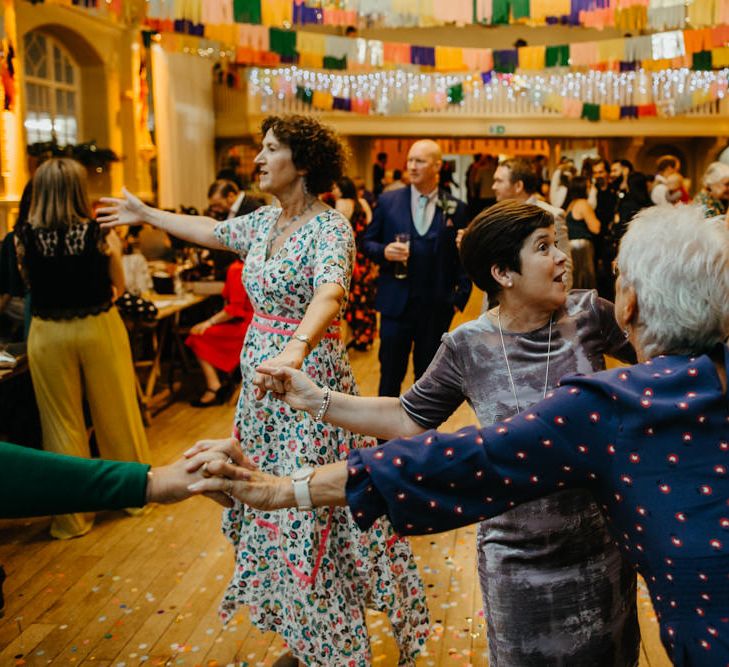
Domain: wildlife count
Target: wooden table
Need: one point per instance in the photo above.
(152, 400)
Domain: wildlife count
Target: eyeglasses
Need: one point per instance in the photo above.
(615, 269)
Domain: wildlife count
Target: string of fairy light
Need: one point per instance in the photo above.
(391, 90)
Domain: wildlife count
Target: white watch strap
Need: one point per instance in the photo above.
(301, 489)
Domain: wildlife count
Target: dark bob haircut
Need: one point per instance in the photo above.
(496, 237)
(315, 148)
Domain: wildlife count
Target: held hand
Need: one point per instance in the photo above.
(228, 472)
(221, 448)
(397, 252)
(289, 358)
(459, 237)
(129, 210)
(246, 484)
(290, 385)
(199, 459)
(169, 484)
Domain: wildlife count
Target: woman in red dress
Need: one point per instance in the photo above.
(217, 341)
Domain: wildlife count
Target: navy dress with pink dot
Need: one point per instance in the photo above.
(650, 442)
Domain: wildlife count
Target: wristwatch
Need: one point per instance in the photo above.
(306, 340)
(300, 481)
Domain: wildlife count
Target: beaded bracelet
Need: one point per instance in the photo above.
(324, 405)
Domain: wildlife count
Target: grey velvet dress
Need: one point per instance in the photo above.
(556, 590)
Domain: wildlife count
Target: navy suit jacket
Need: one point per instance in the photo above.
(393, 215)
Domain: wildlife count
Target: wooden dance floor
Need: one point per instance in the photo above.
(145, 590)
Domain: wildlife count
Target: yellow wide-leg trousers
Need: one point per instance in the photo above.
(87, 356)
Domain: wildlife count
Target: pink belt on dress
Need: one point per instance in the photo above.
(288, 320)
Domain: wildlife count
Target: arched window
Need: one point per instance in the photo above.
(52, 89)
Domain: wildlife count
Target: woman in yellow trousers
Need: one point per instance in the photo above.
(78, 345)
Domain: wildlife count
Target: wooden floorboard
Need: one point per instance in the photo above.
(145, 590)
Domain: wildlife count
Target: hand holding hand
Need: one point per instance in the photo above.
(169, 484)
(229, 473)
(397, 252)
(289, 385)
(289, 358)
(129, 210)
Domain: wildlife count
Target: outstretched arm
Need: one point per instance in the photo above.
(130, 210)
(436, 481)
(381, 417)
(35, 483)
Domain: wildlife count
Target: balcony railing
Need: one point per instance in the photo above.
(516, 101)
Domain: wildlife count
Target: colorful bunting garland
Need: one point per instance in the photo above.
(626, 15)
(258, 45)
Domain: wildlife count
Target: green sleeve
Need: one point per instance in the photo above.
(36, 483)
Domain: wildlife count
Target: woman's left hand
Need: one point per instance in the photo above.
(290, 357)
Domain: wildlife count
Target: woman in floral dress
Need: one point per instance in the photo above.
(307, 575)
(360, 313)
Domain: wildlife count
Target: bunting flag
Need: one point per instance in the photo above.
(702, 49)
(625, 15)
(258, 32)
(632, 16)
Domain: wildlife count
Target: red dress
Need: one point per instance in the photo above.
(220, 345)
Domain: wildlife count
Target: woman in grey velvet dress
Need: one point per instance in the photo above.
(556, 590)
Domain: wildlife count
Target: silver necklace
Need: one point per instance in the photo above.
(276, 231)
(506, 359)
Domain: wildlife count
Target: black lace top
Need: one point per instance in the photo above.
(66, 269)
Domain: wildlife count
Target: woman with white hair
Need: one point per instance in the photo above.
(650, 442)
(714, 198)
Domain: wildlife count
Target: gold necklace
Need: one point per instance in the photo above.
(276, 231)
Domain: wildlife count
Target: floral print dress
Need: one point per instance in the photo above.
(308, 575)
(361, 314)
(711, 205)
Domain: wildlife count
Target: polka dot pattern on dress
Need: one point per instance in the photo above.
(664, 483)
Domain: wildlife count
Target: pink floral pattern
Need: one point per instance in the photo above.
(309, 575)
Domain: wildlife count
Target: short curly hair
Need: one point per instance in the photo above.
(315, 148)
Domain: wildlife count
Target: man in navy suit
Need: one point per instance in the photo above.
(416, 310)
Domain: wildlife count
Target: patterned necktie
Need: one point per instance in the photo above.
(421, 224)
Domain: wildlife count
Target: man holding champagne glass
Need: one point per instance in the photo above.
(421, 283)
